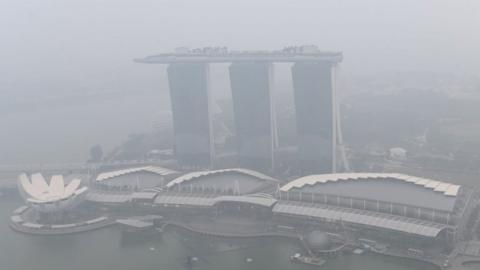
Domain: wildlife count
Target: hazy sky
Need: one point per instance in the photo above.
(89, 44)
(67, 46)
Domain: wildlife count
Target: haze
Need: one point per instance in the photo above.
(70, 48)
(84, 45)
(246, 134)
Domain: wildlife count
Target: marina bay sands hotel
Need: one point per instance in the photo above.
(251, 77)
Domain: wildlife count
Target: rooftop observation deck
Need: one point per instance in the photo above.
(222, 55)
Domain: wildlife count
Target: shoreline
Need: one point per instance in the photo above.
(82, 228)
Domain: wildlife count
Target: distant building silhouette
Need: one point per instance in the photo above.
(251, 72)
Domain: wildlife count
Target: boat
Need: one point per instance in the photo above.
(298, 258)
(190, 261)
(135, 224)
(358, 251)
(136, 227)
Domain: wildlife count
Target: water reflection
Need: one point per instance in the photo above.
(110, 249)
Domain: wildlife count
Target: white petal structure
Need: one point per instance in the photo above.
(50, 197)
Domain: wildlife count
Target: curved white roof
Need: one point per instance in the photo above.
(250, 199)
(209, 200)
(446, 188)
(49, 197)
(184, 199)
(152, 169)
(379, 220)
(74, 184)
(193, 175)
